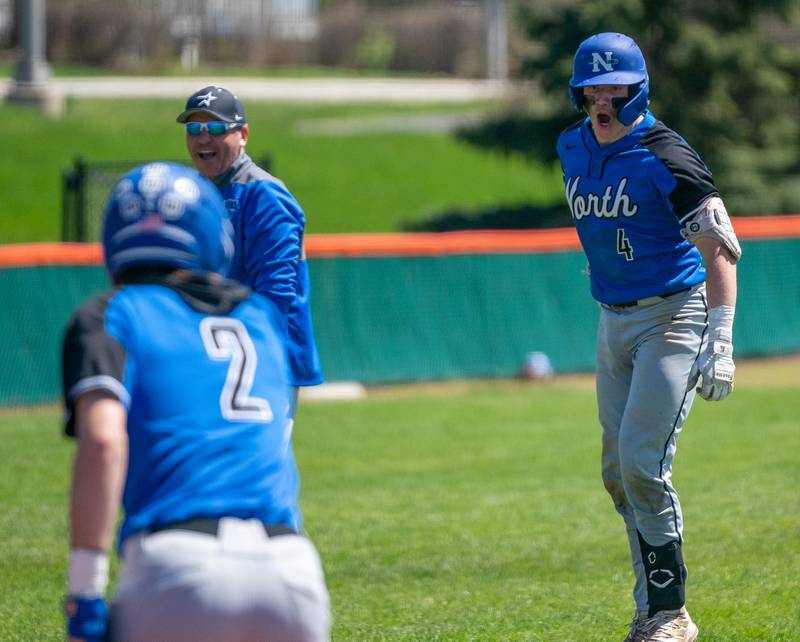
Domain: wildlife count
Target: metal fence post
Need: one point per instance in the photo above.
(66, 215)
(80, 198)
(73, 181)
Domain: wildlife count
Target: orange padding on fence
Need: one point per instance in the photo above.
(443, 243)
(29, 254)
(411, 244)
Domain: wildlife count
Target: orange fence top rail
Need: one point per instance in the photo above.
(443, 243)
(30, 254)
(411, 244)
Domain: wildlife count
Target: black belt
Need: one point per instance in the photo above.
(210, 526)
(630, 304)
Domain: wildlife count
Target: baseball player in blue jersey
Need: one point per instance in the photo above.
(176, 385)
(662, 259)
(267, 220)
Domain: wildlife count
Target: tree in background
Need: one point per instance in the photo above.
(724, 73)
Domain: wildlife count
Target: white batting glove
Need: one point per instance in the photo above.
(716, 363)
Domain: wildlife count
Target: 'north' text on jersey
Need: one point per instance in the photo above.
(629, 200)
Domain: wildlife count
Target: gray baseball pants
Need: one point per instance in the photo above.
(237, 586)
(645, 388)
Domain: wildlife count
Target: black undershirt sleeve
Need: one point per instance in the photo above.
(694, 180)
(91, 358)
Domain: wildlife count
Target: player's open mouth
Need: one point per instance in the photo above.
(604, 119)
(206, 155)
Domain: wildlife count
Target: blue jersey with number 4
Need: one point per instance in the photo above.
(629, 200)
(202, 371)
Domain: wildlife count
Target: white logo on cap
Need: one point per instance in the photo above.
(238, 117)
(206, 99)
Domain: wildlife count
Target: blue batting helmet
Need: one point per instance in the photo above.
(166, 214)
(611, 59)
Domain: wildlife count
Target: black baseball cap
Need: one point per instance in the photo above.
(216, 101)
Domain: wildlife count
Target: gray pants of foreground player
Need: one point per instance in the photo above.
(236, 586)
(645, 388)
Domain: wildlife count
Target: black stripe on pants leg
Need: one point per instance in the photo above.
(672, 432)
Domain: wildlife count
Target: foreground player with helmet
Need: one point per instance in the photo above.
(662, 258)
(176, 386)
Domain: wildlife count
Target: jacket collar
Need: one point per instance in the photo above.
(242, 162)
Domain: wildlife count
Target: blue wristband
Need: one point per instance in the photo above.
(87, 618)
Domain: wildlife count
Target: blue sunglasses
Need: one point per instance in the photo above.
(215, 128)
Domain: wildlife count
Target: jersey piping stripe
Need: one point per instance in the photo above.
(562, 239)
(101, 382)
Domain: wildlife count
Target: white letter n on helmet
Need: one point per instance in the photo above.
(607, 63)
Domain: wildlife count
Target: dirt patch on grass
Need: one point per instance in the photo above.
(776, 372)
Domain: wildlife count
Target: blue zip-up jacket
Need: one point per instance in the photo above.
(270, 258)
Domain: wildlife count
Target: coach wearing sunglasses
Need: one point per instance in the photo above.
(268, 221)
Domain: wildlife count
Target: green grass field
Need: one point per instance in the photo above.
(346, 183)
(474, 511)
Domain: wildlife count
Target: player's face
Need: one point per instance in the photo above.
(213, 155)
(601, 111)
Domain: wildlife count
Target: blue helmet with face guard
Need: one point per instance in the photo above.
(611, 59)
(166, 214)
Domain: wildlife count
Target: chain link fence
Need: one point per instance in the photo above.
(85, 187)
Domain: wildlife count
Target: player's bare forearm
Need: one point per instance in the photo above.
(99, 470)
(720, 272)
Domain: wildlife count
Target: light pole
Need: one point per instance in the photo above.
(496, 40)
(32, 73)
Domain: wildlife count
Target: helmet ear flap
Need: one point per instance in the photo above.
(630, 111)
(577, 97)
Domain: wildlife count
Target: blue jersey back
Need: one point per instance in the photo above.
(628, 200)
(207, 398)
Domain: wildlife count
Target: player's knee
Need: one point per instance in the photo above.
(636, 479)
(644, 491)
(615, 488)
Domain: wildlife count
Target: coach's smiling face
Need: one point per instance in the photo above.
(214, 155)
(600, 107)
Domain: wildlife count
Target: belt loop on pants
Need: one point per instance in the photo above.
(210, 526)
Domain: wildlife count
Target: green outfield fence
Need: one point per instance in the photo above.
(415, 307)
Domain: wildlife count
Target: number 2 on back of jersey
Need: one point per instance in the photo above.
(624, 245)
(227, 339)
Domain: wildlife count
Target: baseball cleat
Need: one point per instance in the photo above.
(638, 617)
(664, 626)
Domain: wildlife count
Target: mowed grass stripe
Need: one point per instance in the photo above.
(355, 183)
(476, 514)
